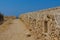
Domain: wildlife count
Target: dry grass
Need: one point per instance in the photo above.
(5, 25)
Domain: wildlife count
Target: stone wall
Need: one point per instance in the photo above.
(44, 24)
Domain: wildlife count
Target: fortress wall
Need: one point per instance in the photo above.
(44, 22)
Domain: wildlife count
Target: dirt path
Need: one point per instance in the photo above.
(16, 31)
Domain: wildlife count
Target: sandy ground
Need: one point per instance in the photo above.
(16, 31)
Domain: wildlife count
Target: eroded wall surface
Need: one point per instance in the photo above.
(44, 25)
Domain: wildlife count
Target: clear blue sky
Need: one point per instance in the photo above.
(16, 7)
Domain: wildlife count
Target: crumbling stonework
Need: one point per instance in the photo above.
(44, 25)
